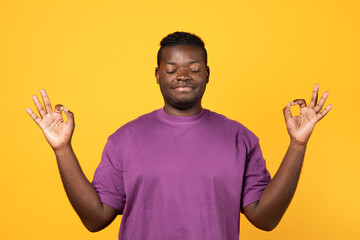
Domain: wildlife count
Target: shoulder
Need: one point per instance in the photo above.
(138, 124)
(244, 133)
(222, 120)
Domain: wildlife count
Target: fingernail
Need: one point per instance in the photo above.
(66, 109)
(62, 108)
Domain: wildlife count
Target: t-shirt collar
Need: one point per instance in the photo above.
(180, 119)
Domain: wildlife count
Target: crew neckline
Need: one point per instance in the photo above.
(181, 119)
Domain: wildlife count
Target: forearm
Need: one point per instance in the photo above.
(278, 194)
(82, 195)
(268, 211)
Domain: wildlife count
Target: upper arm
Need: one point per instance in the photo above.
(250, 211)
(110, 213)
(252, 216)
(256, 176)
(107, 215)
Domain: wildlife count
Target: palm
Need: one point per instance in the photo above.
(300, 127)
(56, 131)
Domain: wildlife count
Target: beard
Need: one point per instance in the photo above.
(182, 104)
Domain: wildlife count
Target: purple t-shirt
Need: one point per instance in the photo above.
(181, 178)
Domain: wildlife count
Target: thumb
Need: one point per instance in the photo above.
(69, 116)
(287, 112)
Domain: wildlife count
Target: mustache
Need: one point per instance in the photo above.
(182, 84)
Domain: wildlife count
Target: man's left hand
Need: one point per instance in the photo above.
(300, 127)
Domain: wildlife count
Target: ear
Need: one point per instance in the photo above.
(208, 73)
(157, 74)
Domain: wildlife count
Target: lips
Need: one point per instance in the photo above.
(183, 86)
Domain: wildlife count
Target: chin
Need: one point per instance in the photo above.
(182, 102)
(183, 106)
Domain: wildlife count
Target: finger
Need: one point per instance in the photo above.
(300, 102)
(287, 112)
(69, 116)
(39, 106)
(314, 96)
(324, 112)
(46, 100)
(33, 116)
(321, 102)
(58, 108)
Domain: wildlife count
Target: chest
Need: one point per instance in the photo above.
(182, 156)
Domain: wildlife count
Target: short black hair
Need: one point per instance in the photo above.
(181, 38)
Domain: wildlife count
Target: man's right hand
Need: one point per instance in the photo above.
(56, 131)
(82, 195)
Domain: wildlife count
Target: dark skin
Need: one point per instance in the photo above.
(182, 76)
(94, 214)
(177, 68)
(182, 66)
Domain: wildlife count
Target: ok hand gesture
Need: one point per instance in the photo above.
(300, 127)
(56, 131)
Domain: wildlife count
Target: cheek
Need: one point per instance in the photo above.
(200, 79)
(164, 86)
(165, 79)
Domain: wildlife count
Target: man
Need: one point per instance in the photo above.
(181, 171)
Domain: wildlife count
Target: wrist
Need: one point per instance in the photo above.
(63, 149)
(297, 145)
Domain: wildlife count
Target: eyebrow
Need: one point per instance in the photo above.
(192, 62)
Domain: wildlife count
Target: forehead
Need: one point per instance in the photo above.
(182, 54)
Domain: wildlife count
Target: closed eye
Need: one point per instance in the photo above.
(171, 71)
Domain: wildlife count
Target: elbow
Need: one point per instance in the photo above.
(269, 226)
(263, 218)
(93, 227)
(265, 224)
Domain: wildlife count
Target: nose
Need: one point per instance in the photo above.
(183, 75)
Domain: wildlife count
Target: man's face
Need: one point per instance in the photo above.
(182, 76)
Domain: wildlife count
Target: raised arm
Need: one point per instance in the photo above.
(268, 211)
(82, 195)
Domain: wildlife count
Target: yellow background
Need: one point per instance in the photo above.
(98, 59)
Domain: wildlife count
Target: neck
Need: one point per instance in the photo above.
(183, 112)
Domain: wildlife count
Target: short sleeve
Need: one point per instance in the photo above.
(108, 179)
(256, 175)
